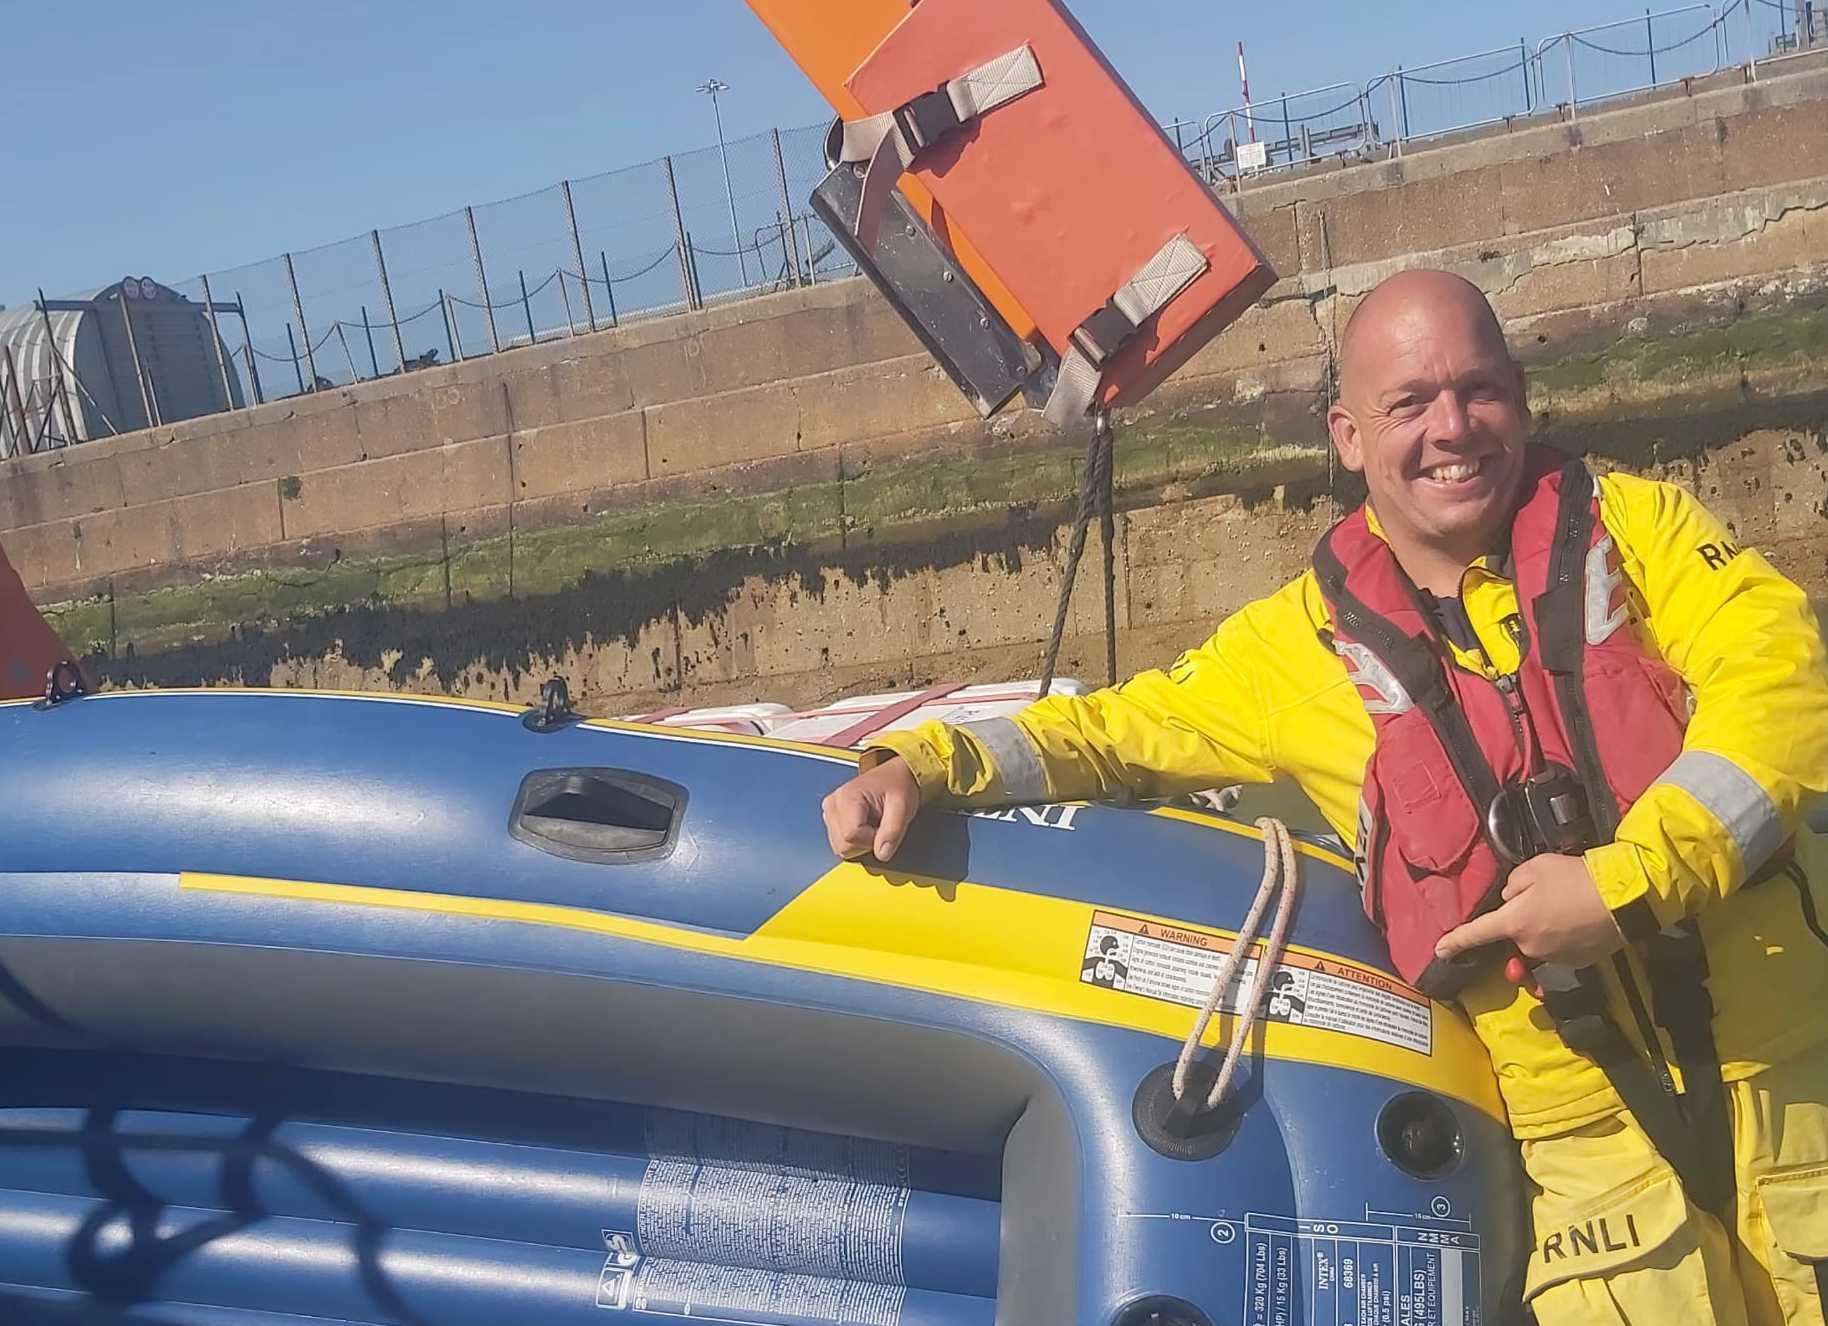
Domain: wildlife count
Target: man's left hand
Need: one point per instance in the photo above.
(1552, 912)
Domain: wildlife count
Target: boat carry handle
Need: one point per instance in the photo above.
(602, 816)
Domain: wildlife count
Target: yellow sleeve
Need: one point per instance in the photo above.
(1746, 642)
(1200, 724)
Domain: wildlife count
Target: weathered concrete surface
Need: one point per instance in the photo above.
(786, 497)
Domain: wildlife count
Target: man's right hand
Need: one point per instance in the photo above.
(871, 813)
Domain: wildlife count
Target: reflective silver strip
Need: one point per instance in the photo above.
(1602, 618)
(1020, 776)
(1361, 847)
(1175, 266)
(1732, 796)
(1368, 673)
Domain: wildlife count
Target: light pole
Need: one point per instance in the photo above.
(712, 86)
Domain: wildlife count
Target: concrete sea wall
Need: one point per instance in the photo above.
(784, 498)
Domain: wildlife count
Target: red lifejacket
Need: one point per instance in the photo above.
(1586, 697)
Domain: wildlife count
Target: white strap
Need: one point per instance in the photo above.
(1279, 870)
(862, 138)
(995, 82)
(1175, 266)
(890, 159)
(1075, 388)
(879, 139)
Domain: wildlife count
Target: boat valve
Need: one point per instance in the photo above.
(1185, 1127)
(1161, 1311)
(1420, 1135)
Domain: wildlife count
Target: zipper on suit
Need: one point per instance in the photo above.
(1512, 692)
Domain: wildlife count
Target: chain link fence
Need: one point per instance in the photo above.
(723, 223)
(685, 232)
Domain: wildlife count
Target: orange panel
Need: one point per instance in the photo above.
(29, 648)
(828, 39)
(1065, 192)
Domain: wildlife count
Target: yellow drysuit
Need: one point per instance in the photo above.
(1265, 695)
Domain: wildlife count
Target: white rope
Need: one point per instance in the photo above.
(1279, 872)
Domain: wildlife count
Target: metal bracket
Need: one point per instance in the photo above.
(960, 328)
(63, 682)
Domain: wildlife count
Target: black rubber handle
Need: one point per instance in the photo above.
(603, 816)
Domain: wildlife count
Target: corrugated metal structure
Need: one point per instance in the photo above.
(131, 355)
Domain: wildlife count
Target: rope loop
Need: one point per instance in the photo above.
(1279, 875)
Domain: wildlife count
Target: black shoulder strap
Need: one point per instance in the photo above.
(1417, 667)
(1693, 1132)
(1677, 963)
(1561, 637)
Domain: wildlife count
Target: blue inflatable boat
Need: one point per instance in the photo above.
(349, 1009)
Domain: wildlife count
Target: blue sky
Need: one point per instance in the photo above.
(175, 138)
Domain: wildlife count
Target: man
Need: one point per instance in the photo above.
(1564, 720)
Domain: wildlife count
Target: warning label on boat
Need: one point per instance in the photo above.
(1358, 1273)
(1177, 964)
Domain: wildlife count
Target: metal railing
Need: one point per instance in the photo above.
(685, 232)
(723, 223)
(1561, 75)
(1607, 60)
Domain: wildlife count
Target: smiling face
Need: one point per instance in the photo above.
(1432, 413)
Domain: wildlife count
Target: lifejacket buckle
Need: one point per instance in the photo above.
(1546, 812)
(927, 119)
(1576, 1004)
(1588, 1034)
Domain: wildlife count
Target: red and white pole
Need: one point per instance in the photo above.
(1244, 79)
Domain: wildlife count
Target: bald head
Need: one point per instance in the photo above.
(1431, 411)
(1397, 305)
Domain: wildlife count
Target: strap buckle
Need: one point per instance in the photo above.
(927, 119)
(1591, 1034)
(1576, 1004)
(1102, 335)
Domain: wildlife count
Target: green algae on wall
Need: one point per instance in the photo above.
(875, 505)
(1684, 362)
(1639, 398)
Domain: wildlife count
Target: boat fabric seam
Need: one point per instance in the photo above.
(688, 736)
(640, 930)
